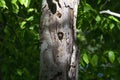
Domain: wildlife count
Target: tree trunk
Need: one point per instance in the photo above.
(59, 57)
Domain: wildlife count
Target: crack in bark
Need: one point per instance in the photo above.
(67, 6)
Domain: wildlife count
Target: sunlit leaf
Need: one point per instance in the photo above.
(31, 27)
(85, 58)
(112, 26)
(114, 18)
(111, 56)
(82, 63)
(15, 8)
(30, 18)
(31, 10)
(22, 25)
(21, 2)
(25, 2)
(13, 1)
(98, 18)
(3, 4)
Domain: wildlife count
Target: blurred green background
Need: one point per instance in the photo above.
(98, 37)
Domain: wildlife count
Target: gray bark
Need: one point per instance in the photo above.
(59, 58)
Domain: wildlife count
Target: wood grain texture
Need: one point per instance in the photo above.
(59, 58)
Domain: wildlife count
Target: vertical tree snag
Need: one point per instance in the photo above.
(59, 58)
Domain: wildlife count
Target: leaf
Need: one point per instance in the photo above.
(19, 72)
(112, 26)
(22, 25)
(31, 27)
(94, 60)
(3, 4)
(118, 60)
(111, 56)
(82, 62)
(21, 2)
(113, 18)
(99, 1)
(15, 8)
(31, 10)
(87, 8)
(13, 1)
(98, 18)
(25, 2)
(85, 58)
(30, 18)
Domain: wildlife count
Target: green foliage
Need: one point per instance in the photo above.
(94, 60)
(26, 3)
(111, 56)
(98, 38)
(19, 39)
(85, 58)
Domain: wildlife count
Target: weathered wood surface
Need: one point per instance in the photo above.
(59, 58)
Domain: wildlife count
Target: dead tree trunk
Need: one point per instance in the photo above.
(59, 58)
